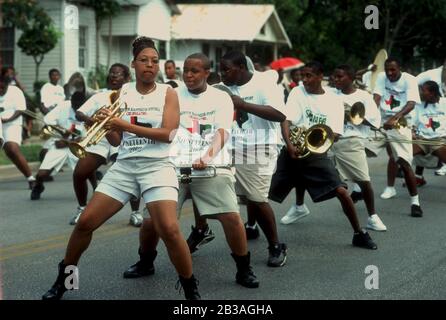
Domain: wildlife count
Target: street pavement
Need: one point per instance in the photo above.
(322, 263)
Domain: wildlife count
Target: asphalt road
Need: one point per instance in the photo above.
(322, 263)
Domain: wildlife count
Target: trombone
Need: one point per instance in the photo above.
(49, 130)
(97, 131)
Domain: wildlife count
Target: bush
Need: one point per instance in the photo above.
(31, 153)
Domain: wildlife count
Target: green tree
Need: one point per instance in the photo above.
(39, 34)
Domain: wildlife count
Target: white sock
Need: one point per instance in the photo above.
(415, 200)
(390, 188)
(300, 208)
(31, 178)
(251, 227)
(81, 208)
(135, 212)
(419, 177)
(356, 188)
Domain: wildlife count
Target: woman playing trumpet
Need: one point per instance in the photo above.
(144, 135)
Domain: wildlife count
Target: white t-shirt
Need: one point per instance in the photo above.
(63, 115)
(432, 75)
(99, 100)
(50, 95)
(430, 121)
(12, 101)
(255, 130)
(305, 109)
(372, 113)
(395, 95)
(367, 79)
(147, 111)
(200, 117)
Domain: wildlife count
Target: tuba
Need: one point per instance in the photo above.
(317, 139)
(97, 131)
(379, 61)
(354, 114)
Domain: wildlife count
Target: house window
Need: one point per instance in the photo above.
(83, 47)
(7, 46)
(162, 49)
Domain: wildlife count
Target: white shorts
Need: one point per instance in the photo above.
(399, 149)
(49, 143)
(103, 149)
(56, 158)
(12, 133)
(133, 177)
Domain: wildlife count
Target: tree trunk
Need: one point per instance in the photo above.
(38, 61)
(98, 28)
(109, 41)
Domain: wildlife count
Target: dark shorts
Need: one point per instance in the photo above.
(316, 173)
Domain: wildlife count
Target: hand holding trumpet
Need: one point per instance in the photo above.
(114, 123)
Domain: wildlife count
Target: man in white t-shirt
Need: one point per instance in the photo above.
(307, 106)
(256, 136)
(437, 75)
(396, 94)
(349, 150)
(63, 116)
(51, 93)
(430, 122)
(12, 102)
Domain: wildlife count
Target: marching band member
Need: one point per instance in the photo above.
(2, 141)
(206, 115)
(307, 106)
(396, 94)
(430, 121)
(12, 102)
(102, 152)
(258, 109)
(349, 152)
(51, 94)
(63, 116)
(151, 117)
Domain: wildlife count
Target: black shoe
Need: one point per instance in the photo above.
(245, 276)
(31, 184)
(190, 287)
(144, 267)
(415, 211)
(251, 232)
(199, 237)
(36, 191)
(58, 289)
(277, 255)
(363, 240)
(356, 196)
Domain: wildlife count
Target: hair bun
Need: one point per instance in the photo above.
(142, 43)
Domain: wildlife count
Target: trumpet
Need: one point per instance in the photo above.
(317, 139)
(435, 142)
(355, 113)
(97, 131)
(186, 174)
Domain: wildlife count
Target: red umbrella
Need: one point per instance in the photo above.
(286, 63)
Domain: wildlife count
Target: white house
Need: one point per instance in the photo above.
(178, 30)
(216, 28)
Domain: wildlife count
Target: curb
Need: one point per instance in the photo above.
(9, 171)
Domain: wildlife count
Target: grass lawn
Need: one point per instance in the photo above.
(30, 151)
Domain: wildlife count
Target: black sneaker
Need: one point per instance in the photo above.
(245, 276)
(36, 191)
(251, 232)
(277, 255)
(415, 211)
(356, 196)
(199, 237)
(144, 267)
(363, 240)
